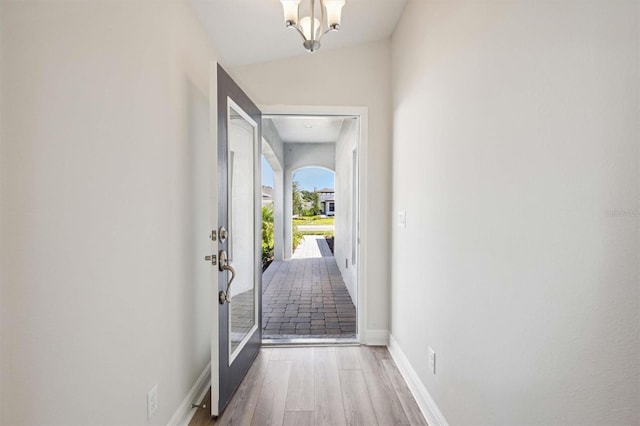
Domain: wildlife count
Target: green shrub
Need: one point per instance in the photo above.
(324, 233)
(313, 220)
(268, 239)
(298, 236)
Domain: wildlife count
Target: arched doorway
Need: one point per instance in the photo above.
(313, 212)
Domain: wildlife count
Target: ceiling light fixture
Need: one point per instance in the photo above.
(310, 27)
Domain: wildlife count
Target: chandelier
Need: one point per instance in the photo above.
(310, 27)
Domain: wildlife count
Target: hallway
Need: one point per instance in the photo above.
(355, 385)
(306, 295)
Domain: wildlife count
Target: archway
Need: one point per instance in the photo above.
(313, 211)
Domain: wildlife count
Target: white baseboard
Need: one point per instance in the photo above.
(427, 405)
(184, 413)
(377, 337)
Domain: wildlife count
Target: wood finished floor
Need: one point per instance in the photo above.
(321, 386)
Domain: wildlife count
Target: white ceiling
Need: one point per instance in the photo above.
(305, 129)
(251, 31)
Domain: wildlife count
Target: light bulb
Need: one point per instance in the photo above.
(334, 12)
(305, 24)
(290, 8)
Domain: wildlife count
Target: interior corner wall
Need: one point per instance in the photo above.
(276, 150)
(104, 215)
(515, 158)
(344, 187)
(270, 133)
(354, 76)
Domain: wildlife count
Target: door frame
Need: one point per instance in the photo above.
(362, 146)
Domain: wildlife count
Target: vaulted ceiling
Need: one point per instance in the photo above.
(251, 31)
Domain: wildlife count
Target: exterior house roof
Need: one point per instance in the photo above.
(267, 192)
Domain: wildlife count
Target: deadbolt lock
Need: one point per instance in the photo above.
(222, 233)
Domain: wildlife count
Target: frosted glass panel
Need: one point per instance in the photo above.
(242, 237)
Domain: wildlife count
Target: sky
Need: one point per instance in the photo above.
(307, 178)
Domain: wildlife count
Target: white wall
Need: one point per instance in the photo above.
(344, 187)
(105, 183)
(355, 76)
(300, 155)
(270, 133)
(516, 159)
(273, 151)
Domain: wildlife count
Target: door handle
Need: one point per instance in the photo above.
(223, 265)
(223, 296)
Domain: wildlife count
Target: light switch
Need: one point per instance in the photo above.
(432, 361)
(402, 219)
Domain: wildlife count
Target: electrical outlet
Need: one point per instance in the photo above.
(152, 402)
(432, 361)
(402, 219)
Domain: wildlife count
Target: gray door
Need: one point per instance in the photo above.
(239, 328)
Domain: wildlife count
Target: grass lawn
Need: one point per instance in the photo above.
(326, 233)
(313, 220)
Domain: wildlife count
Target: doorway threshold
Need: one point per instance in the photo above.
(311, 341)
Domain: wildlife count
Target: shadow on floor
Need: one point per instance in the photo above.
(323, 247)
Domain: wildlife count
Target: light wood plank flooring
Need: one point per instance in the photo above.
(321, 386)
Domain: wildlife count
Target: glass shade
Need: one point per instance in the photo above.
(334, 12)
(305, 25)
(290, 8)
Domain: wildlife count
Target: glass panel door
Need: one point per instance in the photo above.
(236, 333)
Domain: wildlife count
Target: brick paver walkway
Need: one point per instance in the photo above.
(312, 246)
(306, 296)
